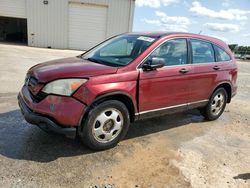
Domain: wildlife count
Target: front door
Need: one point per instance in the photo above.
(165, 90)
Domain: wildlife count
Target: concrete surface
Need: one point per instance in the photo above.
(180, 150)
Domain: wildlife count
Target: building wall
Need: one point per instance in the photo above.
(118, 16)
(48, 24)
(13, 8)
(120, 12)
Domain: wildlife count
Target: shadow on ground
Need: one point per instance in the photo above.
(245, 176)
(19, 140)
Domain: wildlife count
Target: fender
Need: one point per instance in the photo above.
(105, 95)
(220, 83)
(99, 97)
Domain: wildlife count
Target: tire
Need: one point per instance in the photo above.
(216, 105)
(106, 124)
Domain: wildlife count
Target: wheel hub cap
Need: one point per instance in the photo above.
(217, 103)
(107, 125)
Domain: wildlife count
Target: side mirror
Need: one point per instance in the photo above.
(156, 63)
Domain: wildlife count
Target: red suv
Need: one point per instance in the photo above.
(126, 78)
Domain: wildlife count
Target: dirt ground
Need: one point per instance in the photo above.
(180, 150)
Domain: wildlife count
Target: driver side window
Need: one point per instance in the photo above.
(172, 52)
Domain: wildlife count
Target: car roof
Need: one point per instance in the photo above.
(150, 34)
(160, 34)
(157, 34)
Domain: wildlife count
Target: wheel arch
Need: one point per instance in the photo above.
(123, 97)
(227, 86)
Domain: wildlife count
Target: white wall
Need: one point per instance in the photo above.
(120, 15)
(48, 24)
(13, 8)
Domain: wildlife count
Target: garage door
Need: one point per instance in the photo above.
(13, 8)
(87, 25)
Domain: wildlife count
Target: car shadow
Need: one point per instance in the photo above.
(158, 124)
(22, 141)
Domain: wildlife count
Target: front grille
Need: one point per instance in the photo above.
(36, 95)
(32, 82)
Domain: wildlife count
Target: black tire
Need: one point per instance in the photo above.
(209, 112)
(87, 130)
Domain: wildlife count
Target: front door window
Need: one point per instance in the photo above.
(172, 52)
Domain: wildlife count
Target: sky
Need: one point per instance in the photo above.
(228, 20)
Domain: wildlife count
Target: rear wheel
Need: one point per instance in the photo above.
(106, 124)
(216, 105)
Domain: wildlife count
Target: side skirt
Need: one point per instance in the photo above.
(170, 110)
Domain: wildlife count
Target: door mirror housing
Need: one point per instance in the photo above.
(153, 64)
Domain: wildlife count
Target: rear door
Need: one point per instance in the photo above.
(205, 73)
(166, 88)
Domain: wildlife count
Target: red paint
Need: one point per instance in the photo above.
(66, 110)
(163, 87)
(148, 90)
(68, 68)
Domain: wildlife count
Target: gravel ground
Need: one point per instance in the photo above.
(180, 150)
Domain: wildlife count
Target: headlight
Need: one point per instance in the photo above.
(63, 86)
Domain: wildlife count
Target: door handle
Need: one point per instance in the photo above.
(183, 71)
(216, 67)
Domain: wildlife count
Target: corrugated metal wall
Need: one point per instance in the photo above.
(120, 15)
(87, 22)
(13, 8)
(48, 24)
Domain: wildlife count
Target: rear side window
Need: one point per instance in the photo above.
(221, 55)
(202, 52)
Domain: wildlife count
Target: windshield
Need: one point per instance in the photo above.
(119, 51)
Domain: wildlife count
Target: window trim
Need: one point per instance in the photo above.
(190, 57)
(217, 61)
(188, 38)
(139, 66)
(191, 51)
(190, 60)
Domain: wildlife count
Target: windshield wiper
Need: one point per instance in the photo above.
(95, 60)
(103, 62)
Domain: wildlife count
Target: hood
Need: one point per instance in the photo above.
(73, 67)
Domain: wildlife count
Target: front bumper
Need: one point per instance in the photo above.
(66, 111)
(56, 113)
(43, 122)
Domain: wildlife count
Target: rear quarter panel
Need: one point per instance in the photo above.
(207, 80)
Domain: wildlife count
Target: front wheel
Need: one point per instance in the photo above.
(216, 105)
(106, 124)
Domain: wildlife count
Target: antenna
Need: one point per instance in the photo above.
(200, 32)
